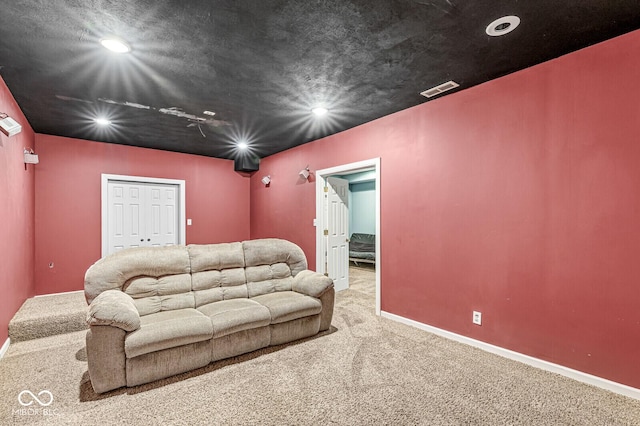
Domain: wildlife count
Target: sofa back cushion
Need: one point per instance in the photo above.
(217, 272)
(157, 278)
(164, 293)
(177, 277)
(271, 264)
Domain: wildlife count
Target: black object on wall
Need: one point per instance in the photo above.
(247, 163)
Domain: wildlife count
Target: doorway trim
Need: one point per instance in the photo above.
(106, 178)
(321, 175)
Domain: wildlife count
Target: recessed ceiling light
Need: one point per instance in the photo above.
(502, 26)
(320, 111)
(116, 45)
(242, 145)
(102, 121)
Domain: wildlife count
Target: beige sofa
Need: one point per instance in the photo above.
(159, 311)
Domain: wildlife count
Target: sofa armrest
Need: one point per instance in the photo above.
(311, 283)
(114, 308)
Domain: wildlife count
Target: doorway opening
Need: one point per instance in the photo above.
(324, 257)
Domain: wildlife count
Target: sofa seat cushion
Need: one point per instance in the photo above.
(233, 315)
(167, 329)
(288, 305)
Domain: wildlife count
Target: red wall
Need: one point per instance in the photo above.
(16, 215)
(519, 198)
(68, 201)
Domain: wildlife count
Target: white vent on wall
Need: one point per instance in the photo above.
(429, 93)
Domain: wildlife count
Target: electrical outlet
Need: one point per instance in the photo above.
(477, 317)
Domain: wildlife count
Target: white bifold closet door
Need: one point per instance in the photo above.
(142, 215)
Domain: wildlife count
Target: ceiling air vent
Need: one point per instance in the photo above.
(429, 93)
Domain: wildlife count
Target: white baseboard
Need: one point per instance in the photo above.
(609, 385)
(56, 294)
(5, 347)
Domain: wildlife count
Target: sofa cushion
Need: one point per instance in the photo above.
(288, 305)
(218, 272)
(213, 286)
(269, 251)
(233, 315)
(207, 257)
(113, 271)
(265, 279)
(155, 294)
(168, 329)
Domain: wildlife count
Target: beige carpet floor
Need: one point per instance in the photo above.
(44, 316)
(367, 370)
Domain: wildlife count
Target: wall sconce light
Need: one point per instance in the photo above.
(266, 180)
(304, 173)
(30, 157)
(8, 125)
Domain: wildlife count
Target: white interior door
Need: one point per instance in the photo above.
(162, 215)
(338, 232)
(141, 215)
(126, 221)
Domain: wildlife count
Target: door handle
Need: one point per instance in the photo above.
(141, 239)
(148, 239)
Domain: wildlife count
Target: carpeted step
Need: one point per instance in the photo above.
(49, 315)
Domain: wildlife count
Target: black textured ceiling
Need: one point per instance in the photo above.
(262, 65)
